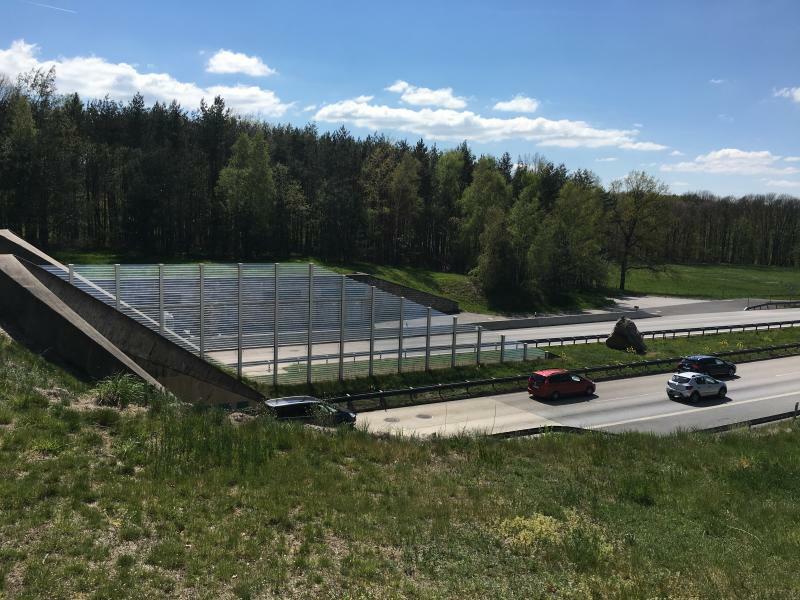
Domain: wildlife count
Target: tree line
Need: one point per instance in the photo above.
(167, 181)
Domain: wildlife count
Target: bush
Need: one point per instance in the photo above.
(123, 390)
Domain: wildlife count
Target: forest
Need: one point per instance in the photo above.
(169, 181)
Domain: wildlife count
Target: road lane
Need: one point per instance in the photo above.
(640, 403)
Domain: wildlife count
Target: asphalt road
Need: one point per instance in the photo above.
(640, 403)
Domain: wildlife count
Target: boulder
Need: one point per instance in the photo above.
(625, 336)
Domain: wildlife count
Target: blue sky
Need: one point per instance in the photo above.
(704, 95)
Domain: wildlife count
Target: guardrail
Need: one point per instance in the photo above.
(664, 333)
(775, 304)
(613, 371)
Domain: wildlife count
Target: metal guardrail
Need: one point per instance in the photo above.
(664, 333)
(775, 304)
(381, 395)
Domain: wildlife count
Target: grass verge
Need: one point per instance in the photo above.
(104, 503)
(566, 357)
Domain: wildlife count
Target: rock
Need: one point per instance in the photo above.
(625, 336)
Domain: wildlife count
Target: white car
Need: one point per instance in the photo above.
(693, 386)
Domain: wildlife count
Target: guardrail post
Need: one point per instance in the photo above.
(502, 349)
(202, 292)
(341, 325)
(275, 317)
(161, 299)
(71, 276)
(478, 347)
(310, 320)
(116, 287)
(400, 338)
(239, 320)
(428, 341)
(525, 351)
(454, 345)
(371, 327)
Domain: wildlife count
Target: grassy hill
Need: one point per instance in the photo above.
(108, 502)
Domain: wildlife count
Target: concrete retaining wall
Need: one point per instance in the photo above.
(444, 305)
(11, 243)
(35, 316)
(187, 376)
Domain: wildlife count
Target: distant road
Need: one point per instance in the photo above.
(760, 389)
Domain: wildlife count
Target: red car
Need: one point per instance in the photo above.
(555, 383)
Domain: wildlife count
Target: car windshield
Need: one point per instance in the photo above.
(679, 379)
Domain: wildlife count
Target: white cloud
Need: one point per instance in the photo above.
(783, 183)
(680, 183)
(609, 159)
(638, 125)
(310, 107)
(95, 77)
(716, 81)
(735, 162)
(445, 124)
(227, 61)
(676, 153)
(519, 104)
(792, 158)
(791, 93)
(422, 96)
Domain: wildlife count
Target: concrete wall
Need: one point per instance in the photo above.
(11, 243)
(500, 325)
(444, 305)
(187, 376)
(35, 316)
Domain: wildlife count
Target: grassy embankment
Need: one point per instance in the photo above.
(702, 281)
(102, 502)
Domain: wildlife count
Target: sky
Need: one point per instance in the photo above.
(703, 95)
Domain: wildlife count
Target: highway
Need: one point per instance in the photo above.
(760, 388)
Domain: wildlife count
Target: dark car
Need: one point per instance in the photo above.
(555, 383)
(307, 409)
(710, 365)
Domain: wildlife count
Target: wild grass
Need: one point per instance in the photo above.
(185, 503)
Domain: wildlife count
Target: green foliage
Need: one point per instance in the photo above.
(122, 390)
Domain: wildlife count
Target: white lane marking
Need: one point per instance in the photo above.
(786, 374)
(694, 410)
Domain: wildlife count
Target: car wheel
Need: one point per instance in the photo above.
(589, 391)
(695, 397)
(723, 392)
(731, 372)
(555, 396)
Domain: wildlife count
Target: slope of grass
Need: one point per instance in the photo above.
(714, 282)
(96, 502)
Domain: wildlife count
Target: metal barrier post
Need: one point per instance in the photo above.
(525, 351)
(400, 338)
(502, 348)
(310, 320)
(116, 286)
(341, 326)
(453, 344)
(371, 327)
(202, 311)
(478, 347)
(239, 320)
(71, 268)
(161, 299)
(275, 316)
(428, 341)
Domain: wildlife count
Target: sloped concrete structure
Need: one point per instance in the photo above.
(37, 317)
(189, 377)
(65, 324)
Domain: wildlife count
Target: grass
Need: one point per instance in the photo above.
(566, 357)
(715, 282)
(176, 502)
